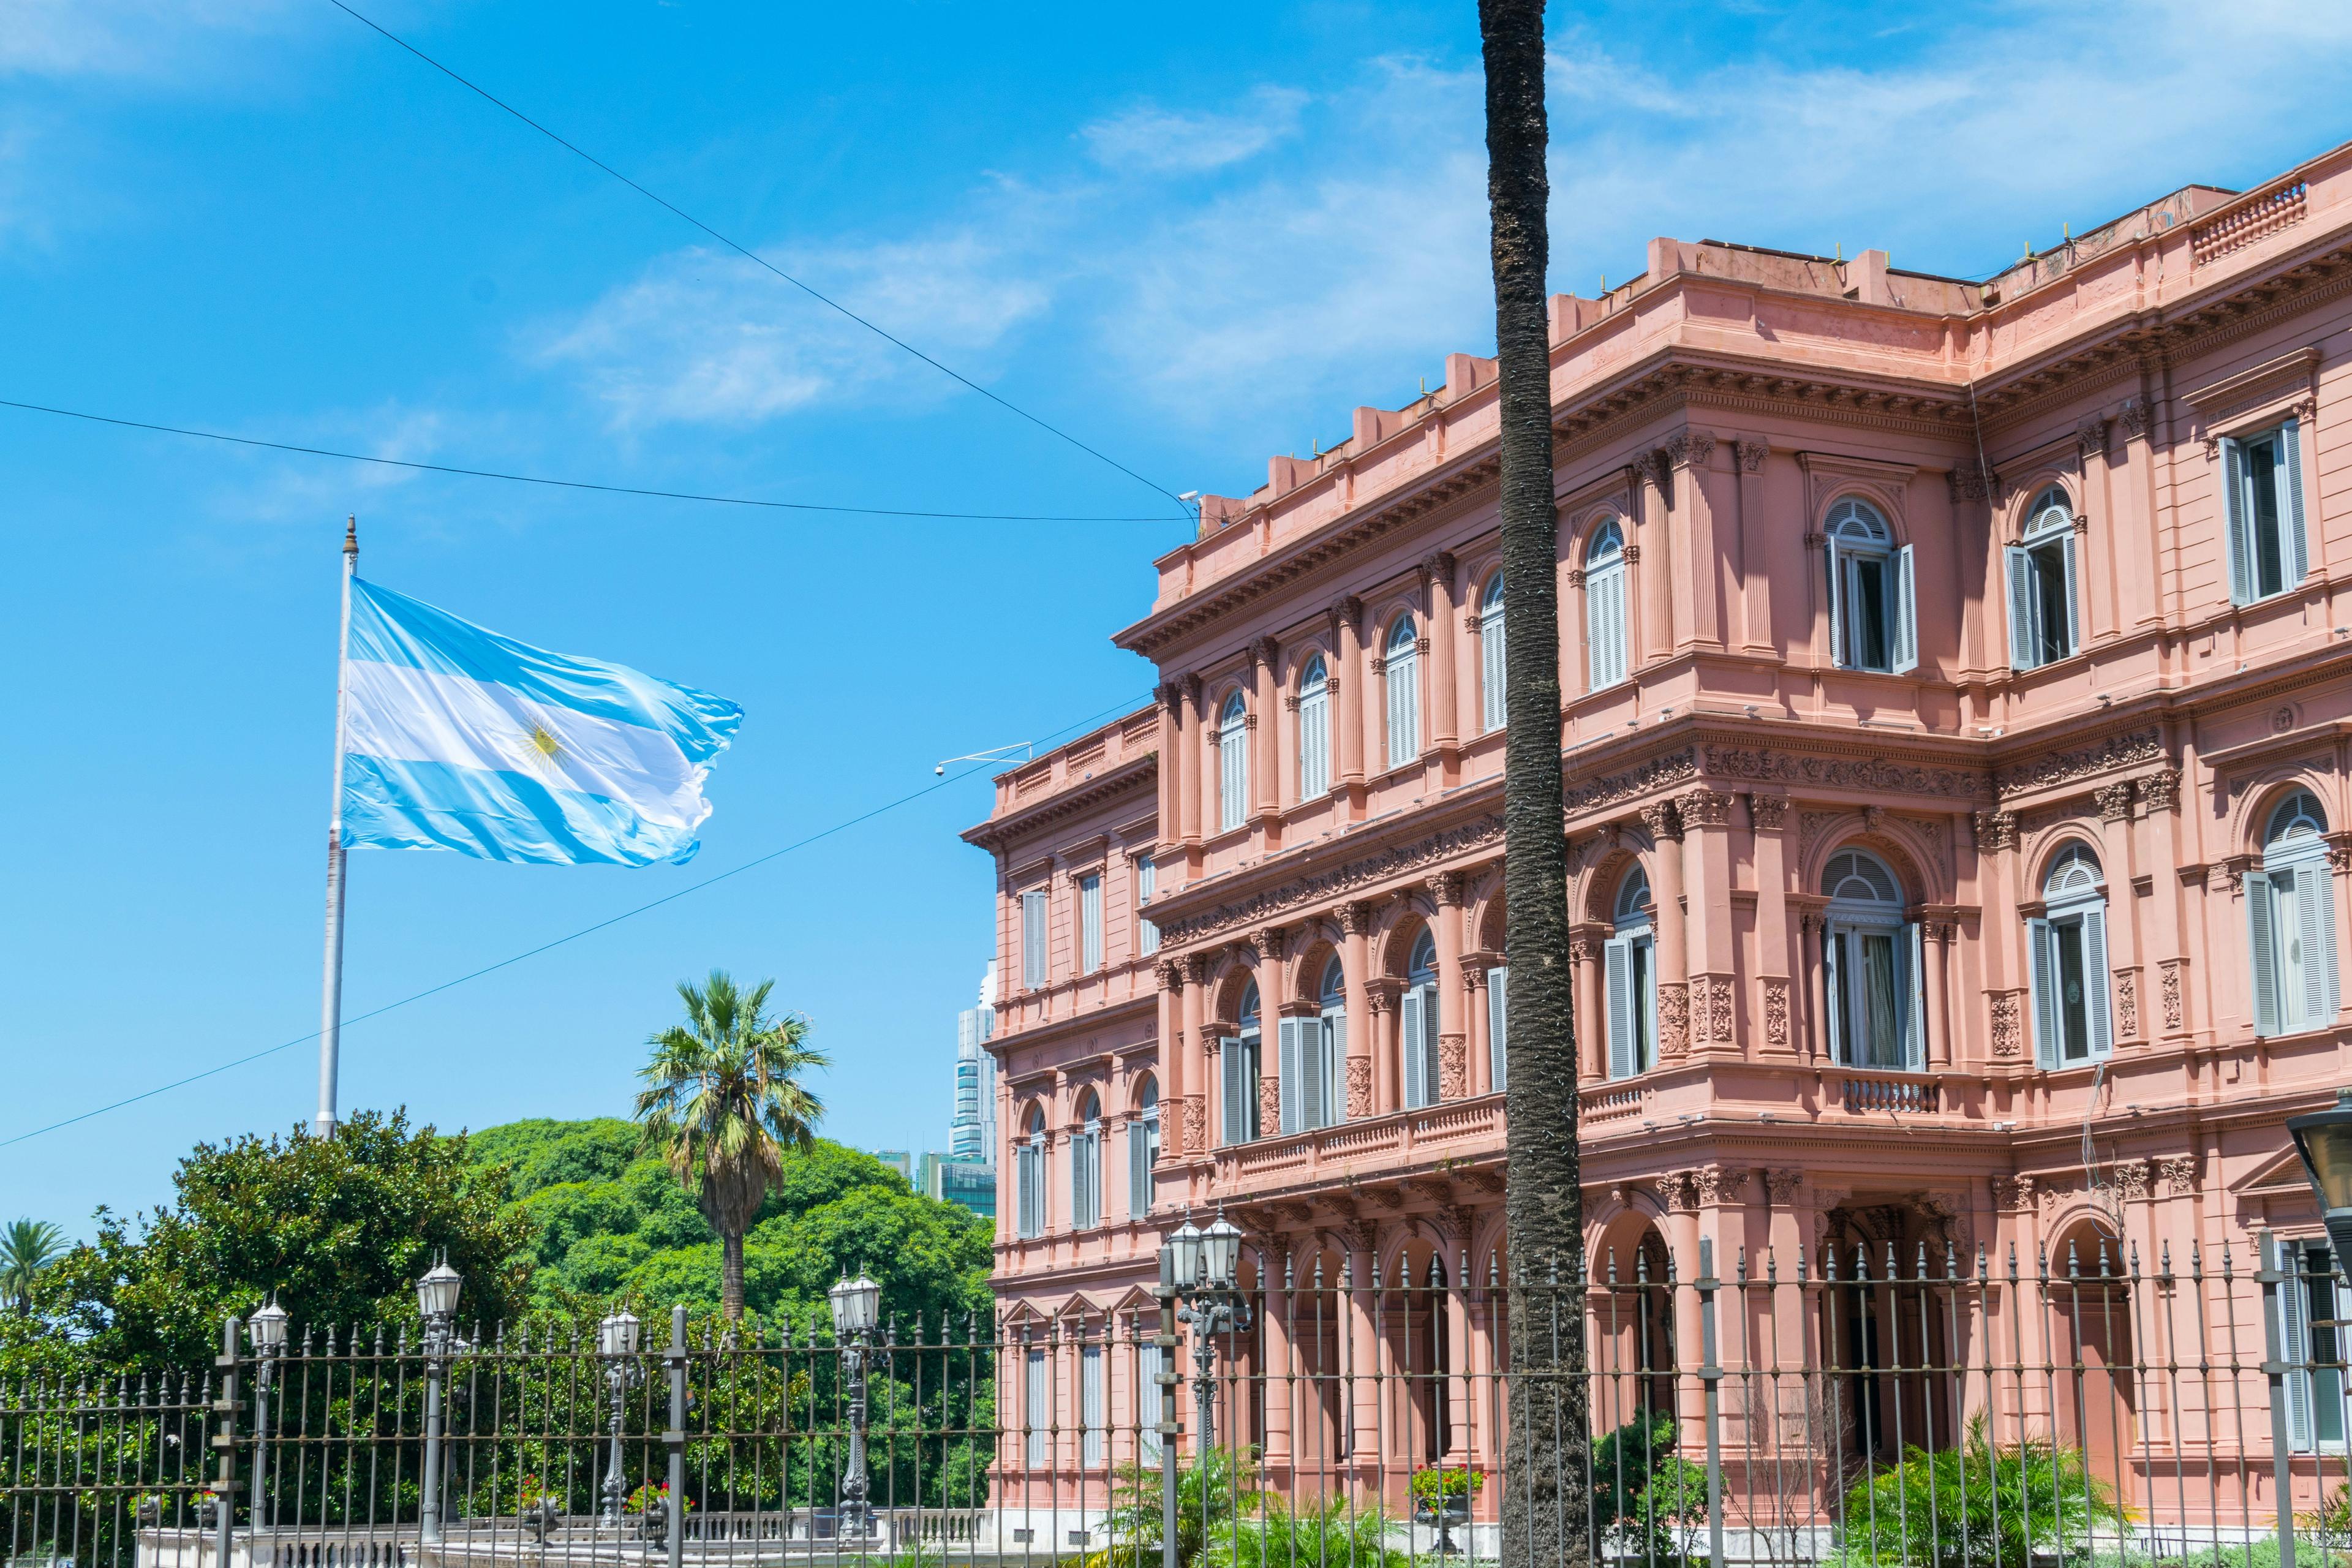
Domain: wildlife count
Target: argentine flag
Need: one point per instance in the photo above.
(457, 738)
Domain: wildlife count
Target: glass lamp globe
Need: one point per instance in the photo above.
(1221, 1253)
(436, 1293)
(857, 1303)
(267, 1327)
(1184, 1251)
(618, 1335)
(2323, 1139)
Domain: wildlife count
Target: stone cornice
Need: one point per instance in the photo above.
(998, 832)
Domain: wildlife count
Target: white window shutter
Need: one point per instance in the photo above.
(2294, 1341)
(2073, 595)
(1335, 1067)
(2236, 523)
(2046, 994)
(1833, 945)
(2290, 480)
(1139, 1171)
(1906, 639)
(1033, 940)
(2024, 646)
(1416, 1063)
(1498, 1014)
(1915, 998)
(2320, 954)
(1093, 1405)
(2262, 943)
(1619, 959)
(1090, 921)
(2096, 976)
(1292, 1070)
(1314, 1087)
(1040, 1410)
(1837, 596)
(1232, 1111)
(1491, 667)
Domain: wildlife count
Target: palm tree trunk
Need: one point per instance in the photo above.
(731, 1274)
(1545, 1509)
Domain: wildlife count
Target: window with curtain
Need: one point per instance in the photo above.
(1630, 966)
(1310, 1078)
(1604, 606)
(1090, 921)
(1872, 975)
(2069, 962)
(1499, 1012)
(1873, 615)
(1491, 668)
(2261, 487)
(1314, 729)
(2042, 620)
(1146, 882)
(1085, 1165)
(2291, 917)
(1143, 1150)
(1232, 764)
(1418, 1024)
(1402, 671)
(1237, 1068)
(1033, 939)
(1029, 1178)
(1037, 1409)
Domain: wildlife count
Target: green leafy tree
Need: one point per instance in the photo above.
(27, 1249)
(1978, 1504)
(723, 1102)
(340, 1227)
(1213, 1492)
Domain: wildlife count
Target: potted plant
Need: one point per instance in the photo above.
(651, 1503)
(537, 1510)
(1442, 1498)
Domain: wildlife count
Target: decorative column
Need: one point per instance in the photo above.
(1777, 1038)
(2123, 909)
(1388, 1090)
(1452, 1036)
(1699, 588)
(1362, 1377)
(1281, 1355)
(2159, 805)
(1939, 927)
(1477, 1030)
(1198, 1076)
(1586, 950)
(1273, 991)
(2100, 589)
(1175, 1032)
(1355, 926)
(1706, 817)
(1453, 1224)
(1189, 770)
(1813, 927)
(1265, 768)
(1754, 525)
(1347, 618)
(1674, 973)
(1653, 631)
(1679, 1190)
(1444, 700)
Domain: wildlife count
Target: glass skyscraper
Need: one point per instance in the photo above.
(972, 1132)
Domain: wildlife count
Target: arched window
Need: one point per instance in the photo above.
(1232, 764)
(1029, 1177)
(1872, 955)
(2042, 626)
(1312, 1051)
(1604, 606)
(1143, 1149)
(1085, 1165)
(1402, 667)
(1238, 1054)
(2291, 915)
(2069, 962)
(2262, 489)
(1631, 961)
(1419, 1023)
(1491, 671)
(1314, 729)
(1871, 624)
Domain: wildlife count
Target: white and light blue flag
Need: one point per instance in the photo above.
(457, 738)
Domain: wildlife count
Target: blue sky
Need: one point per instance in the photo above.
(1190, 238)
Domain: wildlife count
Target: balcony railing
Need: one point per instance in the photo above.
(1869, 1093)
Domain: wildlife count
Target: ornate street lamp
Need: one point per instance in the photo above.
(267, 1331)
(1204, 1268)
(436, 1299)
(856, 1304)
(2323, 1139)
(617, 1342)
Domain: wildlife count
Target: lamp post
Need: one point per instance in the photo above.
(854, 1303)
(2323, 1139)
(267, 1331)
(617, 1342)
(1204, 1268)
(436, 1299)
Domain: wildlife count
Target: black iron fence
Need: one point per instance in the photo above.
(1888, 1404)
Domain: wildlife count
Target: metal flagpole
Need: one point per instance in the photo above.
(331, 1005)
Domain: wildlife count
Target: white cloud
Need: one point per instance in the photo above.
(283, 488)
(1149, 139)
(144, 38)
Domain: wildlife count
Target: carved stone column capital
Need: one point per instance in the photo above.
(1446, 887)
(1767, 812)
(1171, 974)
(1199, 966)
(1751, 455)
(2161, 791)
(1703, 807)
(1357, 919)
(1996, 830)
(1660, 817)
(1781, 1186)
(1689, 448)
(2115, 800)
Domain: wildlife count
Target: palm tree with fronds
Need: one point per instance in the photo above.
(723, 1102)
(27, 1249)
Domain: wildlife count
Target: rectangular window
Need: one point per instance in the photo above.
(2261, 484)
(1143, 1155)
(1038, 1416)
(1090, 921)
(1232, 774)
(2291, 913)
(1033, 939)
(1631, 961)
(1498, 1012)
(1237, 1071)
(1604, 629)
(1030, 1201)
(1149, 1402)
(1315, 743)
(1873, 608)
(2042, 617)
(1403, 677)
(1085, 1180)
(1491, 668)
(2308, 1316)
(1146, 878)
(1874, 995)
(1093, 1408)
(1418, 1028)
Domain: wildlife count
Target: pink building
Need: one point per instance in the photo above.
(1958, 747)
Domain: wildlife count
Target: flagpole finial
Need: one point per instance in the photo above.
(352, 536)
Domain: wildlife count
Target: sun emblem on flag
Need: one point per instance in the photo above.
(546, 745)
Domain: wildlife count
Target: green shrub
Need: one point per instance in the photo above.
(1977, 1504)
(1330, 1532)
(1647, 1500)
